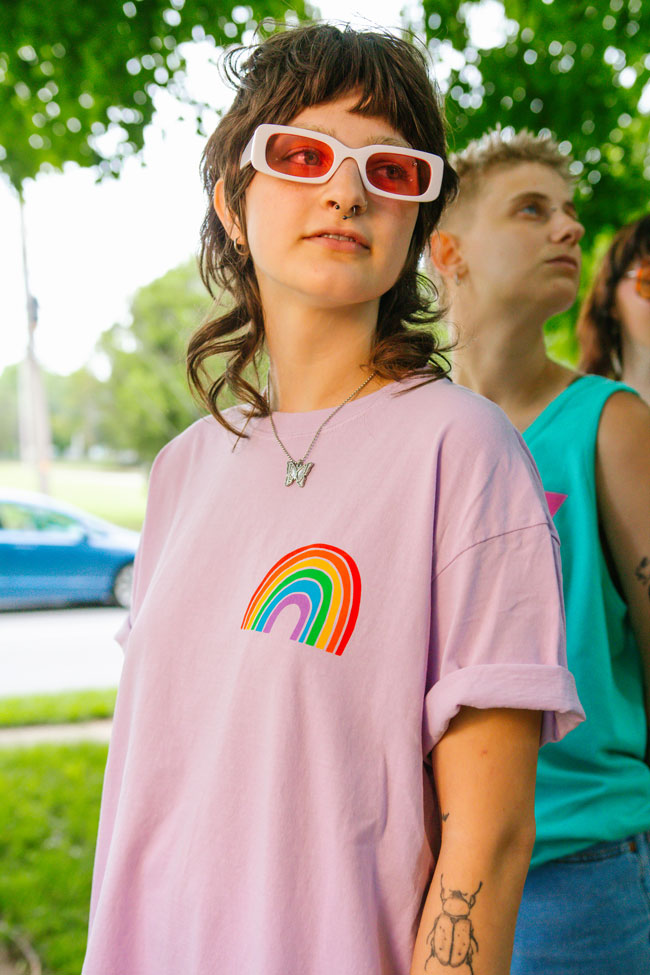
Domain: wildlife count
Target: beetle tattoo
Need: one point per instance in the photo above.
(452, 938)
(642, 572)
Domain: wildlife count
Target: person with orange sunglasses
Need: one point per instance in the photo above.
(614, 323)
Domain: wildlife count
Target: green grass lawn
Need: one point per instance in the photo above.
(117, 495)
(57, 708)
(48, 827)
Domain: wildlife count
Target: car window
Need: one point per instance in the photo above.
(16, 517)
(55, 521)
(20, 517)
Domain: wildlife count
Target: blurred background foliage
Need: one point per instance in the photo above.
(144, 401)
(79, 83)
(577, 70)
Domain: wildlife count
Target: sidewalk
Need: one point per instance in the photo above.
(56, 734)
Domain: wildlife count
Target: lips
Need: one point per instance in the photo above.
(335, 233)
(564, 260)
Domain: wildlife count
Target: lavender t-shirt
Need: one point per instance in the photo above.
(292, 657)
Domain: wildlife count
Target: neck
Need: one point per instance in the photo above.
(501, 355)
(319, 356)
(636, 368)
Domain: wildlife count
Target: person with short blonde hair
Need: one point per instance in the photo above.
(508, 251)
(500, 147)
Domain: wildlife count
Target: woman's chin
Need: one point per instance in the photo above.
(333, 295)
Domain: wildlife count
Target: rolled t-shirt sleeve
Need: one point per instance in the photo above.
(497, 635)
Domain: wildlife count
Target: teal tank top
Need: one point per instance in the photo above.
(594, 785)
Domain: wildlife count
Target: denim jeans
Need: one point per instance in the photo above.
(588, 913)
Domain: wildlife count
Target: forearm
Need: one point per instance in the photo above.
(484, 769)
(623, 490)
(473, 932)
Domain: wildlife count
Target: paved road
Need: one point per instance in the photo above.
(56, 650)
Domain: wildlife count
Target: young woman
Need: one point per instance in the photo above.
(347, 617)
(585, 906)
(614, 322)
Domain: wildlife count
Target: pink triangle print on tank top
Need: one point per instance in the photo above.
(555, 501)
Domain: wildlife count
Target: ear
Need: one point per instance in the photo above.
(446, 255)
(225, 215)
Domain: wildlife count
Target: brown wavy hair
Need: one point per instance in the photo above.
(599, 327)
(289, 71)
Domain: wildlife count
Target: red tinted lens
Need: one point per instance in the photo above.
(643, 281)
(397, 173)
(298, 155)
(643, 287)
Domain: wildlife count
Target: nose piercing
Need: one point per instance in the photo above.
(354, 210)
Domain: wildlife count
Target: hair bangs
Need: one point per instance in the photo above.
(302, 68)
(375, 66)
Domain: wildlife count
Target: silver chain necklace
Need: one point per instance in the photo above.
(298, 470)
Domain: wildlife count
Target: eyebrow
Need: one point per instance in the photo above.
(381, 140)
(567, 206)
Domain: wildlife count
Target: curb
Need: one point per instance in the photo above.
(56, 734)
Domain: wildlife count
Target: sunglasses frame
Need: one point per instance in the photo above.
(255, 154)
(639, 277)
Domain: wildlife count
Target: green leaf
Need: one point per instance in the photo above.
(576, 69)
(71, 71)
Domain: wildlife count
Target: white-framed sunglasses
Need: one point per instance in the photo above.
(306, 156)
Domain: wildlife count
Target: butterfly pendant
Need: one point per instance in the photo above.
(297, 471)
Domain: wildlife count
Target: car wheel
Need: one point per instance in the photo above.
(122, 586)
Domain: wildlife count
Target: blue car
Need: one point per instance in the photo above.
(52, 554)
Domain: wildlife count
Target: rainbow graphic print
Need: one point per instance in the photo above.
(324, 583)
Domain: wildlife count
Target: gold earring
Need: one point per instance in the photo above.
(241, 248)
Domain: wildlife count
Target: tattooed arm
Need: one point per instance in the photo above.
(484, 769)
(623, 485)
